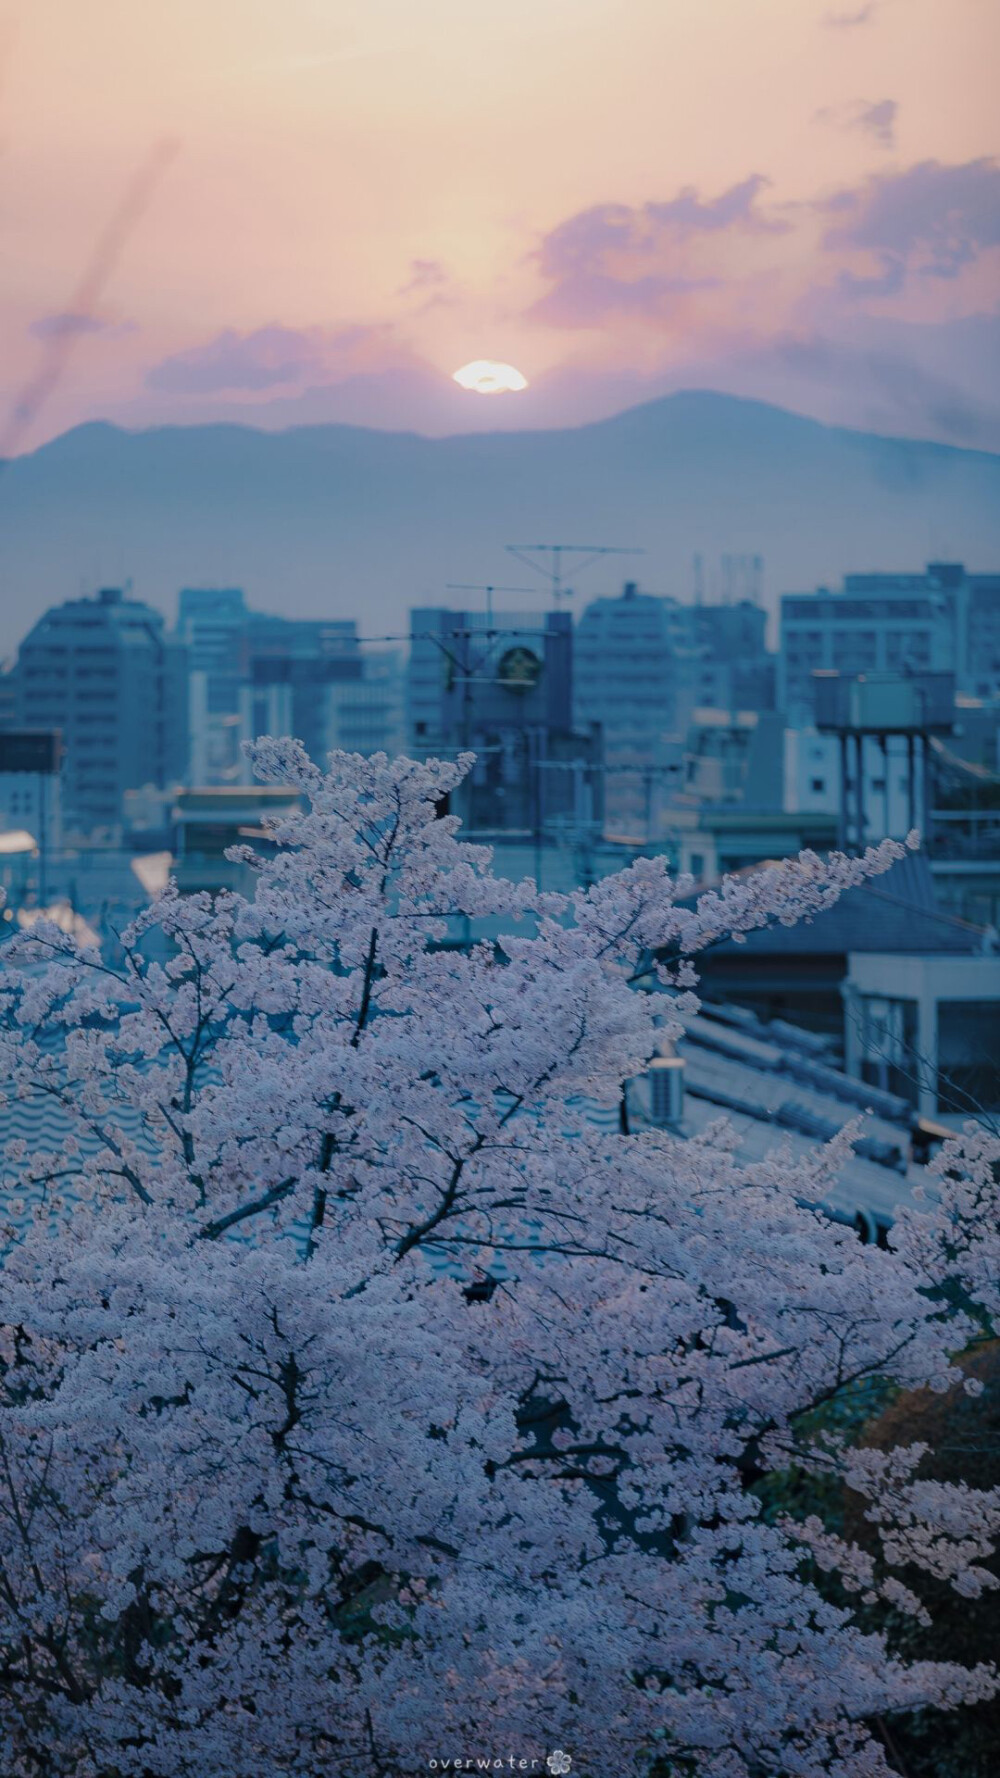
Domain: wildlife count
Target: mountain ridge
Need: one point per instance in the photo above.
(341, 520)
(674, 401)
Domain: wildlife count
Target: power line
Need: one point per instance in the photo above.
(435, 635)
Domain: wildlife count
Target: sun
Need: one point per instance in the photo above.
(484, 377)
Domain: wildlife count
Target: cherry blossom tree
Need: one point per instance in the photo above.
(366, 1407)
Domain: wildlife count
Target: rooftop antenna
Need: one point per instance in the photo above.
(465, 586)
(546, 559)
(727, 580)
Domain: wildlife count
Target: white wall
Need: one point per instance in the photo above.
(812, 780)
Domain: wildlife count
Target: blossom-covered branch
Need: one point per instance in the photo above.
(357, 1391)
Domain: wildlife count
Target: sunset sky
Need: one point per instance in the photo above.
(325, 207)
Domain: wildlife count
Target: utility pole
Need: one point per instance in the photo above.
(546, 559)
(43, 839)
(462, 586)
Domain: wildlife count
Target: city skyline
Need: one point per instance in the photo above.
(326, 212)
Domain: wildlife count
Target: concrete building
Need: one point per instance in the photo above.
(944, 620)
(629, 656)
(962, 832)
(734, 757)
(105, 672)
(212, 623)
(717, 840)
(18, 874)
(501, 686)
(31, 802)
(366, 715)
(207, 822)
(254, 673)
(812, 775)
(634, 662)
(979, 635)
(8, 695)
(926, 1027)
(469, 668)
(293, 671)
(732, 669)
(643, 666)
(797, 972)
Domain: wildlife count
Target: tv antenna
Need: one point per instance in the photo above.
(546, 559)
(465, 586)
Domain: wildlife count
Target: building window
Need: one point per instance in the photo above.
(968, 1078)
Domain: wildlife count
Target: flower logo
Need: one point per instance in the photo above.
(558, 1763)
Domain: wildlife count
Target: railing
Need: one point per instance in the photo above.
(963, 834)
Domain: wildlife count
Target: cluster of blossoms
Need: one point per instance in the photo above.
(350, 1402)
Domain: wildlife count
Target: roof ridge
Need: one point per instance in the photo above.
(931, 911)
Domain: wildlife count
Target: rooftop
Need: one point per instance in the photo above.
(896, 912)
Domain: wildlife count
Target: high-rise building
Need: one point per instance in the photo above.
(366, 715)
(732, 669)
(629, 661)
(944, 620)
(253, 673)
(212, 621)
(643, 664)
(294, 671)
(979, 648)
(106, 673)
(8, 695)
(635, 662)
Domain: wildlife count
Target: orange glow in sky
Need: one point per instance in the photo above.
(614, 195)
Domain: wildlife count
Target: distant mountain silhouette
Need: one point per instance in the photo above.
(344, 521)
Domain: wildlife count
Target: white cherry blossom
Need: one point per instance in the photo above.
(360, 1399)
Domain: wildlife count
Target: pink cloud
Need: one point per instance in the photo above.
(265, 359)
(877, 122)
(272, 357)
(849, 21)
(931, 219)
(425, 274)
(71, 325)
(613, 261)
(594, 299)
(586, 240)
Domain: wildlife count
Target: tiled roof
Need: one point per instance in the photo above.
(772, 1085)
(895, 912)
